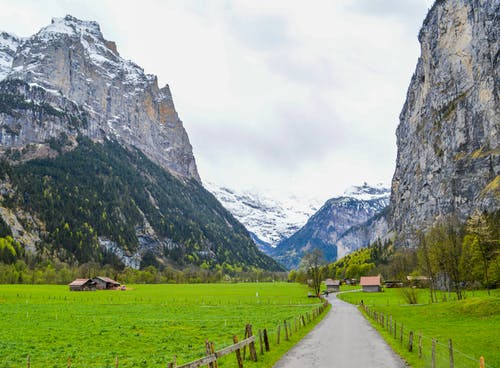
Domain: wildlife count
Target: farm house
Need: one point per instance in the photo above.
(105, 283)
(82, 285)
(370, 283)
(332, 285)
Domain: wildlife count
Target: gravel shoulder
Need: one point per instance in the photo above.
(342, 339)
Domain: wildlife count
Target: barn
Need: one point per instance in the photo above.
(105, 283)
(370, 283)
(82, 285)
(332, 286)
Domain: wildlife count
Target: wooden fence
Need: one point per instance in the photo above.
(437, 354)
(250, 340)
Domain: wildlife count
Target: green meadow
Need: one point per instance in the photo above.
(472, 324)
(144, 326)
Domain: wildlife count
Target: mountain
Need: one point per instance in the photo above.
(96, 164)
(341, 225)
(268, 220)
(70, 66)
(448, 159)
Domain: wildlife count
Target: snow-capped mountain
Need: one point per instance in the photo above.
(70, 64)
(343, 224)
(268, 220)
(113, 154)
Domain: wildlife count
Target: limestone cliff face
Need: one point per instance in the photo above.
(448, 137)
(70, 62)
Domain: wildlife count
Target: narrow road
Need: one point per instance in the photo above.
(342, 339)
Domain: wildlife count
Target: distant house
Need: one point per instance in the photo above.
(370, 283)
(393, 284)
(350, 281)
(420, 281)
(82, 285)
(332, 286)
(105, 283)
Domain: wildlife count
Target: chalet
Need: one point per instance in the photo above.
(82, 285)
(105, 283)
(332, 286)
(370, 283)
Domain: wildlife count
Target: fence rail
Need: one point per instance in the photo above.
(436, 353)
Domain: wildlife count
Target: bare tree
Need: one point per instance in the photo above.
(312, 263)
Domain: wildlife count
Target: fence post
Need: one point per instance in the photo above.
(208, 351)
(278, 335)
(395, 329)
(410, 342)
(433, 353)
(286, 330)
(452, 363)
(401, 334)
(251, 347)
(260, 342)
(420, 345)
(28, 363)
(69, 362)
(266, 340)
(481, 362)
(238, 353)
(212, 351)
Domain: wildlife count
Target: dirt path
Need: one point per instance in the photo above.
(342, 339)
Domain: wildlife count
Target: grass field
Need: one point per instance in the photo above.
(473, 325)
(144, 326)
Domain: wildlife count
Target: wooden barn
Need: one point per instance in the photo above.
(82, 285)
(332, 286)
(370, 283)
(105, 283)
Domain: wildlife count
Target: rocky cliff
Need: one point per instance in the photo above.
(448, 138)
(70, 63)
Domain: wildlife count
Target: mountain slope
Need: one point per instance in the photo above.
(448, 138)
(328, 229)
(101, 200)
(96, 163)
(268, 220)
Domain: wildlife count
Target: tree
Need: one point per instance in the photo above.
(312, 263)
(483, 243)
(446, 252)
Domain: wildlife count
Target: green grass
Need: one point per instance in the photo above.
(144, 326)
(473, 325)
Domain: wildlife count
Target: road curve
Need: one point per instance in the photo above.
(342, 339)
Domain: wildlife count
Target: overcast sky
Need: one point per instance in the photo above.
(285, 97)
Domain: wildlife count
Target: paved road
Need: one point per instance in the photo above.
(342, 339)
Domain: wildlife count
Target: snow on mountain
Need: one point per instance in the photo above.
(343, 224)
(268, 220)
(367, 192)
(8, 48)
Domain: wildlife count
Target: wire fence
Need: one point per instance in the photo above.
(433, 352)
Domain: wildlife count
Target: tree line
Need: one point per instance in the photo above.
(455, 256)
